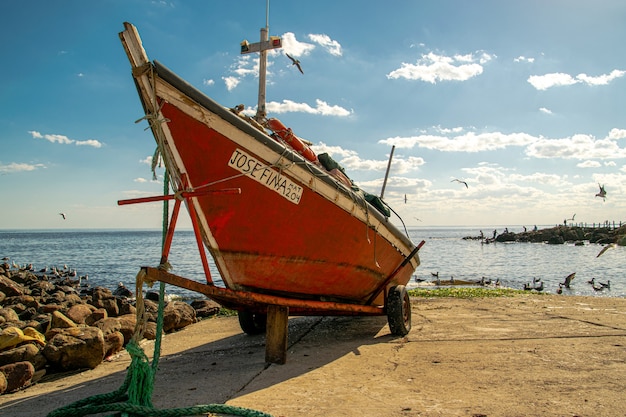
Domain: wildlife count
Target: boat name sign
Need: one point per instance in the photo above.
(265, 175)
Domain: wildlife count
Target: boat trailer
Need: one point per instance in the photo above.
(254, 307)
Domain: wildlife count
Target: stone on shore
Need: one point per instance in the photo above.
(75, 348)
(177, 315)
(57, 324)
(27, 352)
(205, 308)
(78, 313)
(18, 375)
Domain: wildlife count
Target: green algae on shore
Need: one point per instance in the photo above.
(466, 292)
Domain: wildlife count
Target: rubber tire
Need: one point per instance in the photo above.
(252, 323)
(399, 311)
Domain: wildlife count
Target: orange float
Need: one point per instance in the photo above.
(292, 140)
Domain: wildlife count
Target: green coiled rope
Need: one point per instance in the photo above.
(134, 397)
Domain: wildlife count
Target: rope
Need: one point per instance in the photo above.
(134, 397)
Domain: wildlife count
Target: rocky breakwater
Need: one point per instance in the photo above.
(54, 322)
(568, 234)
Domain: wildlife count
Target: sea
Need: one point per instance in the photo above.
(108, 257)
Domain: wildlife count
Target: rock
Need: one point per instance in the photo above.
(152, 296)
(78, 313)
(9, 315)
(61, 321)
(176, 315)
(113, 343)
(110, 305)
(104, 298)
(25, 300)
(3, 383)
(96, 315)
(28, 352)
(72, 299)
(150, 331)
(205, 308)
(18, 375)
(101, 293)
(127, 326)
(49, 308)
(125, 307)
(14, 336)
(76, 348)
(108, 325)
(11, 288)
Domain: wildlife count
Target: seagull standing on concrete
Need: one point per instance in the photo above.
(295, 62)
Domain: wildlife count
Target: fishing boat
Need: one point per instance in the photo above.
(285, 227)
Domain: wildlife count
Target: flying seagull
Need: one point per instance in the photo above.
(62, 215)
(572, 219)
(604, 249)
(602, 192)
(295, 62)
(405, 199)
(568, 279)
(459, 181)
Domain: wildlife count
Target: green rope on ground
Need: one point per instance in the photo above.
(134, 397)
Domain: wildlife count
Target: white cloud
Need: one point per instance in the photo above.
(544, 110)
(333, 47)
(64, 140)
(559, 79)
(141, 180)
(468, 142)
(294, 47)
(589, 164)
(432, 68)
(538, 177)
(19, 167)
(351, 161)
(334, 151)
(522, 58)
(90, 142)
(578, 146)
(208, 83)
(603, 79)
(321, 107)
(231, 82)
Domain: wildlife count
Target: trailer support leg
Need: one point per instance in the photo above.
(276, 334)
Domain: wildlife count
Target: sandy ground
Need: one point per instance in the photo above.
(522, 356)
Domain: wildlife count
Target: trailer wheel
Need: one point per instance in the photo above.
(252, 323)
(399, 311)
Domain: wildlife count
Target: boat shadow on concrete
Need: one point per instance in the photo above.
(218, 371)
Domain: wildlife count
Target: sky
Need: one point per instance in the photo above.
(524, 101)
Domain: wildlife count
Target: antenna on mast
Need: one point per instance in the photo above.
(267, 42)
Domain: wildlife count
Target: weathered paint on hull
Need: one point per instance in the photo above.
(265, 241)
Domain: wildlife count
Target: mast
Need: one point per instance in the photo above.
(382, 192)
(267, 42)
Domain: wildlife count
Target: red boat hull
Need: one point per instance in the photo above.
(293, 231)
